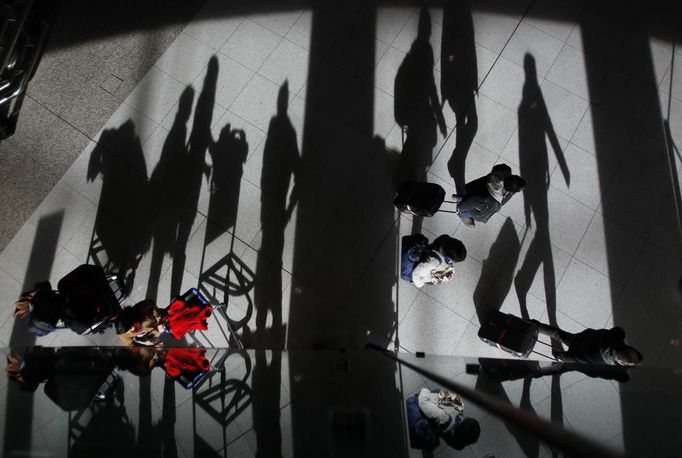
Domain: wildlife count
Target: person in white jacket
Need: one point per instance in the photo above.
(439, 414)
(437, 265)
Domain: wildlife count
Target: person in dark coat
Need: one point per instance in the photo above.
(593, 346)
(485, 196)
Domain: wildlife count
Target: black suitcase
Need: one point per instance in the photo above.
(509, 333)
(419, 198)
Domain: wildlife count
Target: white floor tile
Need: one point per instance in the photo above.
(185, 59)
(250, 44)
(569, 72)
(214, 24)
(431, 327)
(529, 40)
(288, 62)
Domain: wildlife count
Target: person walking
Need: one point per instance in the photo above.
(485, 196)
(593, 346)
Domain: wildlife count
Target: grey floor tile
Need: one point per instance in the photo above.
(587, 295)
(496, 124)
(587, 176)
(556, 18)
(639, 318)
(278, 22)
(624, 95)
(257, 103)
(569, 72)
(493, 30)
(387, 69)
(601, 39)
(456, 294)
(566, 109)
(647, 161)
(604, 135)
(250, 44)
(666, 231)
(185, 59)
(390, 21)
(614, 253)
(656, 277)
(301, 32)
(506, 83)
(541, 263)
(636, 212)
(156, 94)
(288, 62)
(431, 327)
(214, 24)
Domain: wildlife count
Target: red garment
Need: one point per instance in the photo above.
(180, 361)
(184, 317)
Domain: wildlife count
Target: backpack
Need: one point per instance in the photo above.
(414, 248)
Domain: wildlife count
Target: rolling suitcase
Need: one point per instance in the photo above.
(509, 333)
(420, 198)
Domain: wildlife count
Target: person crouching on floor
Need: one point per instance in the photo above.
(432, 264)
(141, 324)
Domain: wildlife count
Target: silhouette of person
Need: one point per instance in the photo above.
(417, 108)
(122, 222)
(459, 82)
(163, 176)
(281, 161)
(192, 170)
(228, 156)
(534, 167)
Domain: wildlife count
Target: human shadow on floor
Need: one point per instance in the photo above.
(193, 169)
(494, 282)
(228, 276)
(534, 126)
(164, 225)
(417, 108)
(122, 229)
(281, 164)
(18, 430)
(459, 82)
(490, 378)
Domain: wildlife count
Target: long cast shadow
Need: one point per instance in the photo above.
(164, 226)
(193, 169)
(459, 82)
(18, 427)
(534, 125)
(319, 317)
(504, 251)
(281, 162)
(417, 108)
(122, 226)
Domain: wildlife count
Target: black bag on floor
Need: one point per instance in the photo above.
(509, 333)
(419, 198)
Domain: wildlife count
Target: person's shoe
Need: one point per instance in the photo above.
(469, 222)
(457, 198)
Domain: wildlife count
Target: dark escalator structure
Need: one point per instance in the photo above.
(24, 27)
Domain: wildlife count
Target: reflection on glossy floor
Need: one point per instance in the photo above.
(263, 145)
